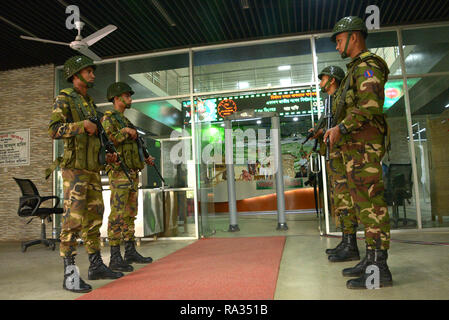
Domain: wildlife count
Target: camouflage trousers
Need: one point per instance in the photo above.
(341, 201)
(123, 207)
(83, 211)
(361, 156)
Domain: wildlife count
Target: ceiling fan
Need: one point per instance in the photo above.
(81, 44)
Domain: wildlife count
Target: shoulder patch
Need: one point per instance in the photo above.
(368, 73)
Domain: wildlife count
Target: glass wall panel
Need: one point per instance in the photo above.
(255, 188)
(210, 165)
(277, 64)
(397, 166)
(426, 50)
(429, 104)
(157, 76)
(384, 44)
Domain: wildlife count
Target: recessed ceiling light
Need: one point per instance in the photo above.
(283, 68)
(243, 85)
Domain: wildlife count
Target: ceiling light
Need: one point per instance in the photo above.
(243, 85)
(164, 13)
(295, 119)
(245, 4)
(283, 68)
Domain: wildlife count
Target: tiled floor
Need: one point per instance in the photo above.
(419, 270)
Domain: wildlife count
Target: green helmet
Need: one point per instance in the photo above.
(333, 71)
(76, 64)
(116, 89)
(351, 23)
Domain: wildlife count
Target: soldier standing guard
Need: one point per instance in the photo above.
(359, 134)
(123, 198)
(80, 166)
(347, 250)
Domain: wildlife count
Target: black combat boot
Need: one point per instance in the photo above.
(348, 252)
(339, 246)
(116, 263)
(385, 279)
(360, 267)
(72, 280)
(131, 255)
(98, 270)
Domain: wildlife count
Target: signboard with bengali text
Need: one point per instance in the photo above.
(15, 148)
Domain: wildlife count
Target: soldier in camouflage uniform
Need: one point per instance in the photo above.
(359, 133)
(123, 197)
(80, 166)
(342, 208)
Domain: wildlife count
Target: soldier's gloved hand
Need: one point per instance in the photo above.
(90, 127)
(150, 161)
(111, 157)
(132, 133)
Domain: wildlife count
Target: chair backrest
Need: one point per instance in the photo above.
(400, 181)
(400, 175)
(27, 187)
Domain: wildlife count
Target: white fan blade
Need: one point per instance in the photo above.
(89, 53)
(43, 40)
(98, 35)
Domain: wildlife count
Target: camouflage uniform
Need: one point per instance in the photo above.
(123, 198)
(340, 195)
(83, 200)
(363, 130)
(363, 127)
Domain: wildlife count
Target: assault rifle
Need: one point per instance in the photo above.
(325, 122)
(329, 121)
(108, 145)
(143, 151)
(320, 125)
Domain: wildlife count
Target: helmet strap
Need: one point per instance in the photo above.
(127, 105)
(88, 84)
(326, 85)
(344, 54)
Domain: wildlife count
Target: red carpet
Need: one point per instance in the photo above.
(209, 269)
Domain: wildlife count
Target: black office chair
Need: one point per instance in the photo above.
(29, 206)
(398, 190)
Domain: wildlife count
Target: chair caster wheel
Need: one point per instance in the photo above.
(24, 248)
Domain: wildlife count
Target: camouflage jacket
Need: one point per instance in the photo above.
(114, 124)
(81, 151)
(365, 95)
(62, 123)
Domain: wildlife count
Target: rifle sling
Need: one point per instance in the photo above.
(341, 102)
